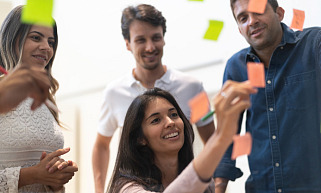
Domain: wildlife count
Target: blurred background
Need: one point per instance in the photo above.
(91, 53)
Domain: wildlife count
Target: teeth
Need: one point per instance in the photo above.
(171, 135)
(42, 58)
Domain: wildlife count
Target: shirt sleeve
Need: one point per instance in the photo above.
(226, 168)
(187, 182)
(9, 178)
(107, 121)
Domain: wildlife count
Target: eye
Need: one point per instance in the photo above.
(174, 115)
(51, 43)
(35, 37)
(156, 120)
(141, 40)
(157, 38)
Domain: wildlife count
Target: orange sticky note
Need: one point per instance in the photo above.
(199, 106)
(242, 145)
(257, 6)
(298, 19)
(256, 75)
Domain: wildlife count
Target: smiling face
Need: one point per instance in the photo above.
(38, 47)
(146, 43)
(162, 127)
(261, 31)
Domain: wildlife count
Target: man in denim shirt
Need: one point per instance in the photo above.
(284, 118)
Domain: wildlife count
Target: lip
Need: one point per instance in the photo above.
(257, 32)
(171, 132)
(40, 57)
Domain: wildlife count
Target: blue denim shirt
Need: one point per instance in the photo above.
(284, 118)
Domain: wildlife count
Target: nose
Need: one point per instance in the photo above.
(150, 47)
(253, 19)
(44, 45)
(169, 122)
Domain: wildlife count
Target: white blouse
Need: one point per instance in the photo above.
(24, 135)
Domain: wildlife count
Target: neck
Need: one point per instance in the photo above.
(148, 77)
(169, 168)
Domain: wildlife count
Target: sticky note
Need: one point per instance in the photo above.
(38, 12)
(214, 30)
(242, 145)
(256, 75)
(257, 6)
(298, 19)
(199, 106)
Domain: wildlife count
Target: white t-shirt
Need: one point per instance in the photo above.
(119, 94)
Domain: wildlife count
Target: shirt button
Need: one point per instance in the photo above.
(279, 190)
(271, 109)
(273, 137)
(269, 81)
(281, 47)
(277, 164)
(253, 58)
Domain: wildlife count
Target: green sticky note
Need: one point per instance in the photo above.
(214, 30)
(38, 12)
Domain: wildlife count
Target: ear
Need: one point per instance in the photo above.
(128, 45)
(280, 12)
(142, 141)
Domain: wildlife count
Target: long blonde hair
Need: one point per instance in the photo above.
(13, 33)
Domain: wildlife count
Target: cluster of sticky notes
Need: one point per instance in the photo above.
(242, 145)
(214, 29)
(38, 12)
(298, 19)
(199, 106)
(256, 74)
(257, 6)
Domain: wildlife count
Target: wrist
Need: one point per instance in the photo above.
(27, 176)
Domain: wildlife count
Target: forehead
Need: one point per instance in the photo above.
(240, 6)
(141, 28)
(157, 105)
(47, 31)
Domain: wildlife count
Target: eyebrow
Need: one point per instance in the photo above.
(154, 114)
(40, 34)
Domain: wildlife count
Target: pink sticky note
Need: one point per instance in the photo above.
(257, 6)
(256, 75)
(199, 106)
(298, 19)
(242, 145)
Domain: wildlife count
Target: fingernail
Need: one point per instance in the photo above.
(50, 170)
(67, 148)
(47, 166)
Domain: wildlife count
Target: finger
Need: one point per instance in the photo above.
(52, 163)
(58, 152)
(63, 165)
(43, 155)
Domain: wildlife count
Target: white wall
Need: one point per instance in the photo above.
(92, 53)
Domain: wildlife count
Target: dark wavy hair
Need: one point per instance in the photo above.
(135, 162)
(142, 12)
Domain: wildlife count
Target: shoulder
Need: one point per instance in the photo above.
(115, 88)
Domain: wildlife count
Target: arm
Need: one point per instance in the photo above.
(227, 110)
(100, 161)
(21, 83)
(206, 131)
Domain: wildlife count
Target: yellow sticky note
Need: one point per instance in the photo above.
(257, 6)
(242, 145)
(255, 74)
(298, 19)
(214, 30)
(199, 106)
(38, 12)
